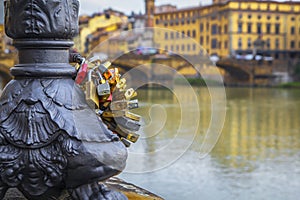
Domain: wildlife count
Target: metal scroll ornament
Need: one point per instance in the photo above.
(50, 139)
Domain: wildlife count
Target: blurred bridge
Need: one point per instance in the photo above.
(246, 72)
(238, 72)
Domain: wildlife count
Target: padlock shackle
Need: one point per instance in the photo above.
(82, 61)
(90, 73)
(100, 75)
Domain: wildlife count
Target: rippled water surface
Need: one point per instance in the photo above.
(256, 157)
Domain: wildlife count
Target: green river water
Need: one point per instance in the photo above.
(256, 157)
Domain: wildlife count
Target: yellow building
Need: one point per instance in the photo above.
(231, 27)
(95, 29)
(2, 41)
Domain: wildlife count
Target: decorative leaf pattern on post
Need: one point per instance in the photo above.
(37, 21)
(42, 18)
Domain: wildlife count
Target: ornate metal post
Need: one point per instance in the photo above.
(50, 140)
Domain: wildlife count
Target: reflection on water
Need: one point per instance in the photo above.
(256, 157)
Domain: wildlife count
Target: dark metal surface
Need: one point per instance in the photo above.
(50, 140)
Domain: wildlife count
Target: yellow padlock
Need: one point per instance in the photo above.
(130, 93)
(91, 95)
(121, 84)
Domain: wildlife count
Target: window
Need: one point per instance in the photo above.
(277, 43)
(152, 11)
(240, 43)
(268, 43)
(194, 47)
(214, 29)
(268, 28)
(188, 33)
(201, 40)
(268, 17)
(207, 40)
(166, 48)
(177, 47)
(249, 28)
(225, 28)
(182, 21)
(172, 48)
(226, 44)
(201, 27)
(220, 45)
(292, 30)
(214, 43)
(157, 21)
(188, 47)
(258, 28)
(277, 28)
(183, 34)
(182, 47)
(249, 16)
(194, 34)
(240, 28)
(293, 19)
(172, 35)
(207, 26)
(177, 35)
(277, 17)
(249, 43)
(259, 17)
(220, 29)
(240, 16)
(292, 44)
(166, 36)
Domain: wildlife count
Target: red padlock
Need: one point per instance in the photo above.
(81, 74)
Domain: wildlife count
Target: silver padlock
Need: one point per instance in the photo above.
(103, 88)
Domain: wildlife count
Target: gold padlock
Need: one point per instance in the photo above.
(132, 137)
(91, 95)
(133, 116)
(119, 105)
(121, 84)
(130, 93)
(112, 114)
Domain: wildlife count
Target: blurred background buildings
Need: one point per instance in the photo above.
(239, 29)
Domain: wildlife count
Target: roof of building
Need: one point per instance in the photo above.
(191, 8)
(162, 5)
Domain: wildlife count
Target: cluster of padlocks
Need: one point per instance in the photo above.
(106, 92)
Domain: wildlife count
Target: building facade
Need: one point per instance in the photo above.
(97, 28)
(231, 27)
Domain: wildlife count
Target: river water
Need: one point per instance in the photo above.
(256, 157)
